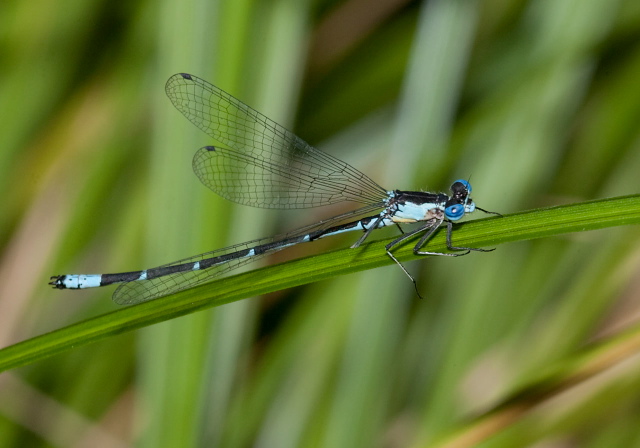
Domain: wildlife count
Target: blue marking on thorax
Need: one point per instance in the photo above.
(416, 212)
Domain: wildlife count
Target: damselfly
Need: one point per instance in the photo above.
(264, 165)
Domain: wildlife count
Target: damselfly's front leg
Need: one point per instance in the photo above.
(416, 250)
(429, 234)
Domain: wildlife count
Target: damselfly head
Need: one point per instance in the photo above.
(460, 202)
(461, 189)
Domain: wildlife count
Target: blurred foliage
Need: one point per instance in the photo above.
(535, 101)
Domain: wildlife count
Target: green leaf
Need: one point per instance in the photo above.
(491, 231)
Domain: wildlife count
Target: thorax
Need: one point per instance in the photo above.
(414, 206)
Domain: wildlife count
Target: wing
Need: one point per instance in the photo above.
(141, 291)
(265, 165)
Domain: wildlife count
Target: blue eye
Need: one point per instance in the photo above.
(466, 184)
(454, 212)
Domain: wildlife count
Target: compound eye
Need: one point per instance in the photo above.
(454, 212)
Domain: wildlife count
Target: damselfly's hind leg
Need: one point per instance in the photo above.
(367, 232)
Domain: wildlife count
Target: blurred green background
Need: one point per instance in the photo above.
(538, 102)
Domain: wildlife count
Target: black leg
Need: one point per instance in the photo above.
(409, 235)
(428, 235)
(430, 229)
(431, 226)
(413, 280)
(397, 241)
(451, 247)
(367, 232)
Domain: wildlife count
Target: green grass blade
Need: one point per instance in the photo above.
(539, 223)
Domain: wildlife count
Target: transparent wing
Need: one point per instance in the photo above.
(265, 165)
(141, 291)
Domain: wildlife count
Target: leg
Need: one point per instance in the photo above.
(430, 225)
(429, 234)
(367, 232)
(408, 235)
(430, 228)
(413, 280)
(451, 247)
